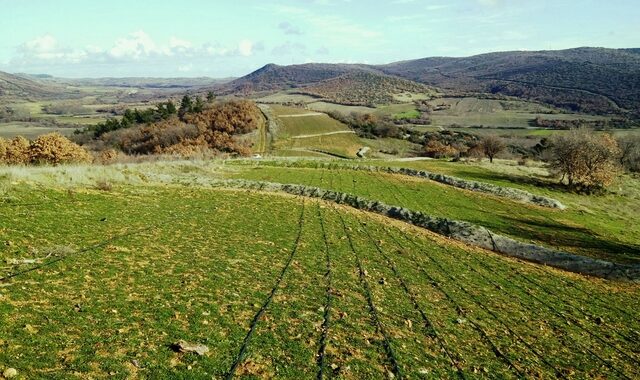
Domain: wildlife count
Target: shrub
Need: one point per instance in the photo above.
(17, 151)
(212, 130)
(3, 148)
(103, 185)
(436, 149)
(584, 159)
(53, 148)
(107, 156)
(629, 152)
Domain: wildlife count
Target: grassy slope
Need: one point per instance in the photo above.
(345, 145)
(593, 226)
(397, 295)
(496, 113)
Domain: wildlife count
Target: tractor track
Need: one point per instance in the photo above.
(254, 322)
(428, 326)
(393, 361)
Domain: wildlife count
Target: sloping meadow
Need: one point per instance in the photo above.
(281, 285)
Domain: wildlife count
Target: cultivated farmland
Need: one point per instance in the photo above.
(277, 285)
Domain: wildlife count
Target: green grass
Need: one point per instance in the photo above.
(593, 226)
(495, 113)
(290, 136)
(411, 114)
(280, 110)
(328, 107)
(184, 262)
(343, 145)
(309, 125)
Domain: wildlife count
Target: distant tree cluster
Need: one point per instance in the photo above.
(52, 148)
(363, 88)
(368, 125)
(614, 123)
(134, 117)
(213, 129)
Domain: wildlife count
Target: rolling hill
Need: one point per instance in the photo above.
(275, 77)
(584, 79)
(14, 86)
(592, 80)
(363, 88)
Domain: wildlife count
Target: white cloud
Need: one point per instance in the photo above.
(177, 43)
(137, 46)
(245, 48)
(185, 68)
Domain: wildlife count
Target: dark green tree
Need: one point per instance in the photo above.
(199, 105)
(171, 108)
(211, 97)
(186, 106)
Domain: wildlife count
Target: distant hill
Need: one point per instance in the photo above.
(594, 80)
(143, 82)
(274, 77)
(14, 86)
(363, 88)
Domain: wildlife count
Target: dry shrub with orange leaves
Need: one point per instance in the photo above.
(213, 130)
(585, 159)
(53, 148)
(16, 151)
(436, 149)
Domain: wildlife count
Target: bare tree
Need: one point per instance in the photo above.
(491, 146)
(630, 152)
(584, 158)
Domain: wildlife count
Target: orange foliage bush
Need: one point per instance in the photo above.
(17, 151)
(436, 149)
(53, 148)
(210, 130)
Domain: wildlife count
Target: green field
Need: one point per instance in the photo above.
(279, 286)
(496, 113)
(593, 227)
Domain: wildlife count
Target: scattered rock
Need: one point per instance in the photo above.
(382, 281)
(183, 346)
(599, 320)
(10, 373)
(461, 321)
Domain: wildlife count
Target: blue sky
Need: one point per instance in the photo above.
(231, 38)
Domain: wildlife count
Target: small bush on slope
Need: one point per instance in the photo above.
(16, 152)
(53, 148)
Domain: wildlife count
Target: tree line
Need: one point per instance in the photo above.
(162, 111)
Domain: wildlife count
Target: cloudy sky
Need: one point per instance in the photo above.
(231, 38)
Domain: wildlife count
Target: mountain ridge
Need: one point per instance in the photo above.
(585, 79)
